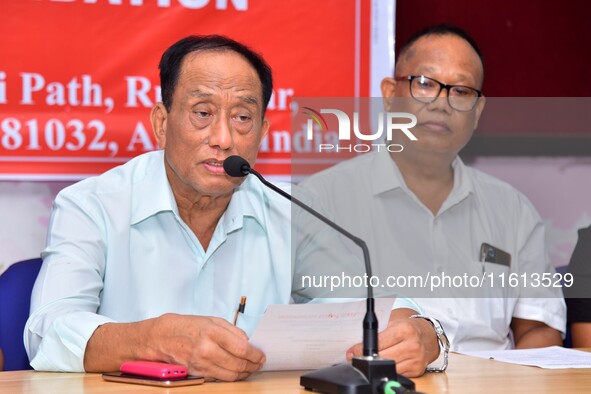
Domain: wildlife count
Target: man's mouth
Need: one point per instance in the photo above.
(435, 126)
(214, 166)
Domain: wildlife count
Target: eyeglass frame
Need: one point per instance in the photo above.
(442, 86)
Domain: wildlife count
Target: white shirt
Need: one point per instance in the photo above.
(118, 251)
(370, 198)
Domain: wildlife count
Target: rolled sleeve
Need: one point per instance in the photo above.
(551, 311)
(61, 348)
(66, 295)
(405, 302)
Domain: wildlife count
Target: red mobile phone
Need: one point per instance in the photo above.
(153, 369)
(121, 377)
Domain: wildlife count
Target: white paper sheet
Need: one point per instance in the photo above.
(553, 357)
(311, 336)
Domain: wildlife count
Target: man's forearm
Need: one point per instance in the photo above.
(114, 343)
(539, 337)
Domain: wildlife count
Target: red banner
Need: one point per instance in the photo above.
(78, 77)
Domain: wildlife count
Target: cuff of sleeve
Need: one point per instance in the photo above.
(405, 302)
(62, 347)
(549, 311)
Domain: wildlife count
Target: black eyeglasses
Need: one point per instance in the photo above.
(426, 90)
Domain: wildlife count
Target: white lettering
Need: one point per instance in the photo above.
(367, 137)
(56, 94)
(239, 5)
(74, 93)
(345, 125)
(138, 89)
(303, 144)
(279, 138)
(140, 135)
(281, 141)
(404, 127)
(359, 148)
(279, 98)
(32, 82)
(344, 122)
(73, 86)
(2, 87)
(194, 3)
(91, 92)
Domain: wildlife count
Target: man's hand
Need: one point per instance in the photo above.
(412, 343)
(208, 346)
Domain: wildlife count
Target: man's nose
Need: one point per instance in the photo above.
(444, 92)
(220, 135)
(442, 100)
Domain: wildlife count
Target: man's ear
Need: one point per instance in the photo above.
(388, 90)
(478, 109)
(388, 87)
(265, 128)
(158, 117)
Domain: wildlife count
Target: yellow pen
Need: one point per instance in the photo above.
(240, 309)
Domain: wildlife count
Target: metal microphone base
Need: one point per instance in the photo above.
(365, 375)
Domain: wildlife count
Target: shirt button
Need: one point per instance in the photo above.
(450, 311)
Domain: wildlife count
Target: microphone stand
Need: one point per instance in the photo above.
(366, 374)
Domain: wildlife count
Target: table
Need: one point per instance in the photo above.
(464, 375)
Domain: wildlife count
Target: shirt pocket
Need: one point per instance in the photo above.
(498, 281)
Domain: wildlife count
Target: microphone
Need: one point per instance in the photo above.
(369, 372)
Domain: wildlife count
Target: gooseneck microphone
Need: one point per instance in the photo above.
(237, 166)
(368, 374)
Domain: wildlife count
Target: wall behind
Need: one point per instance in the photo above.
(532, 48)
(24, 215)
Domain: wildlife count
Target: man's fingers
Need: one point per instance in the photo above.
(213, 360)
(387, 340)
(232, 363)
(410, 368)
(224, 324)
(215, 372)
(354, 351)
(235, 342)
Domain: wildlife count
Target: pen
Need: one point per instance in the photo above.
(240, 309)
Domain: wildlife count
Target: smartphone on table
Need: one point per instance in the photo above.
(153, 374)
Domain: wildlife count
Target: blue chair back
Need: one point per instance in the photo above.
(16, 284)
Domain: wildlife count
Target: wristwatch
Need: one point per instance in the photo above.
(441, 338)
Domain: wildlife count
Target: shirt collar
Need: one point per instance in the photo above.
(387, 176)
(249, 200)
(152, 194)
(151, 190)
(463, 186)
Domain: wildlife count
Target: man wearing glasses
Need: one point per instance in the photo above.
(424, 213)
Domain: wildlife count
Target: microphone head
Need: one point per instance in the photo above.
(236, 166)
